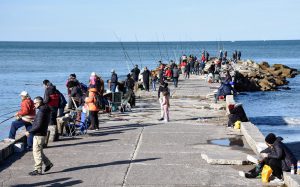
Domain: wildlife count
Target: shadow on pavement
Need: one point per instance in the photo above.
(55, 182)
(82, 143)
(102, 165)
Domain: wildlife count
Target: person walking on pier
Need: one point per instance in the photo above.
(162, 88)
(24, 117)
(39, 131)
(165, 105)
(175, 75)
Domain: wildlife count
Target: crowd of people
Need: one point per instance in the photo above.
(37, 114)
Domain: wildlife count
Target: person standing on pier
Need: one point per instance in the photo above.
(39, 131)
(165, 105)
(175, 75)
(113, 81)
(146, 78)
(162, 88)
(51, 98)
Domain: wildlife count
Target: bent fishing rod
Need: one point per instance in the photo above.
(6, 119)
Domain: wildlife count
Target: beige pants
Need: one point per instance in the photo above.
(38, 154)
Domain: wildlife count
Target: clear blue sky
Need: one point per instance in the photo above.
(149, 20)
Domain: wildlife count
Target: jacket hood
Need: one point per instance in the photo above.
(278, 139)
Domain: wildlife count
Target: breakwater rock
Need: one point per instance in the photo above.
(251, 76)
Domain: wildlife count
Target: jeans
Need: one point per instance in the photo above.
(175, 80)
(153, 86)
(113, 87)
(18, 124)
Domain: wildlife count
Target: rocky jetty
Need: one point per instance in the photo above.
(251, 76)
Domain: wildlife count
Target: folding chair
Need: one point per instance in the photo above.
(77, 127)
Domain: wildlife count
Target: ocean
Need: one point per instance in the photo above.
(24, 65)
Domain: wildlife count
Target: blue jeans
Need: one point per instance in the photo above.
(15, 125)
(153, 85)
(113, 87)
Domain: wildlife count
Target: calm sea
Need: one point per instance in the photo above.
(24, 65)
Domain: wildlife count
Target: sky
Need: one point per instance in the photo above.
(151, 20)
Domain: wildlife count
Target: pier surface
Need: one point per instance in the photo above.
(135, 149)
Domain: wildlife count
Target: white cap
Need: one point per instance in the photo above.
(24, 93)
(112, 70)
(93, 74)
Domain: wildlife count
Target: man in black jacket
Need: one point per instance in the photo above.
(135, 73)
(51, 98)
(39, 131)
(278, 156)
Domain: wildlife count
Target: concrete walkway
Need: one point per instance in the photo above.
(135, 149)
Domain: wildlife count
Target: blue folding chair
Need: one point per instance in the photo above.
(77, 127)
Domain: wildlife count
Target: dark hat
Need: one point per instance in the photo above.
(73, 75)
(128, 75)
(270, 138)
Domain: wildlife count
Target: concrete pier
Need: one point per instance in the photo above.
(135, 149)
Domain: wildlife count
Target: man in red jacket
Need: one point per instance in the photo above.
(24, 118)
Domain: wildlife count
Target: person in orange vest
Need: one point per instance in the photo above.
(93, 109)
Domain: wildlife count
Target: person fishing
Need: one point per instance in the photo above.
(24, 117)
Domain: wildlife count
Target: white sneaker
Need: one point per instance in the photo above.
(277, 181)
(9, 140)
(241, 173)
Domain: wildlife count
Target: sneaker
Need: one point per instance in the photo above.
(241, 173)
(9, 140)
(160, 119)
(47, 168)
(35, 172)
(96, 129)
(277, 181)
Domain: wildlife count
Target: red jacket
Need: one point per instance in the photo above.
(168, 73)
(27, 110)
(27, 107)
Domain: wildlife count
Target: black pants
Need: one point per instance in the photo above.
(53, 115)
(94, 120)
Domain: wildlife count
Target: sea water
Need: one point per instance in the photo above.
(24, 65)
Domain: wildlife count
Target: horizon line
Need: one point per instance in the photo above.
(232, 41)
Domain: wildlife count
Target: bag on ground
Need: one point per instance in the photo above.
(266, 173)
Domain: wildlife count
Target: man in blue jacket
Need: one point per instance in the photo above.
(39, 131)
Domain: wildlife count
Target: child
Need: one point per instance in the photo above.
(166, 104)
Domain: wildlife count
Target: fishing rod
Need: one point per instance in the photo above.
(124, 51)
(159, 47)
(8, 113)
(139, 50)
(6, 119)
(166, 48)
(10, 108)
